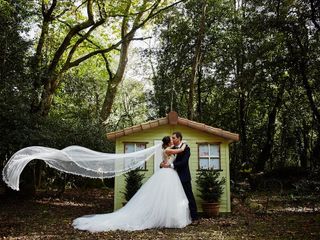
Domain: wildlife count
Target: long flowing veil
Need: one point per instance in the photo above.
(76, 160)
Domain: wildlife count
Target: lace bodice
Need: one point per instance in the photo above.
(168, 158)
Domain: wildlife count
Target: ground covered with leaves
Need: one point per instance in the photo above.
(256, 217)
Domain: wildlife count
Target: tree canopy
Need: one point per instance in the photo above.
(250, 67)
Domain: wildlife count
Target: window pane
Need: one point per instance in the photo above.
(129, 162)
(214, 150)
(203, 150)
(211, 164)
(129, 147)
(132, 147)
(140, 146)
(215, 163)
(204, 163)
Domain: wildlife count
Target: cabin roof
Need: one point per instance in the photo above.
(172, 118)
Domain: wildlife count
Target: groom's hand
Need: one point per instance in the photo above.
(164, 165)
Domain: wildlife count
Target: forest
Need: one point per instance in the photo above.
(73, 70)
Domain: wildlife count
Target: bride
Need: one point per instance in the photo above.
(160, 203)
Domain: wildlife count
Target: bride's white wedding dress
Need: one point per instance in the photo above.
(159, 203)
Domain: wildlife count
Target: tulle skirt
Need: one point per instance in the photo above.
(159, 203)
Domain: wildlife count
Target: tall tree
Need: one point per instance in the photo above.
(258, 70)
(197, 59)
(130, 15)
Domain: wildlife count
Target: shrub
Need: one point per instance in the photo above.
(210, 185)
(133, 181)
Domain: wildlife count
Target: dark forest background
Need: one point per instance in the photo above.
(250, 67)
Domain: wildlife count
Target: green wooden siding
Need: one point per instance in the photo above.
(192, 137)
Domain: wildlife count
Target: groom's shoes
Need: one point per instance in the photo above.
(195, 222)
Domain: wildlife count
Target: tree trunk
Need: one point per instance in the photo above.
(109, 98)
(115, 81)
(313, 106)
(243, 127)
(304, 159)
(315, 153)
(36, 61)
(241, 82)
(69, 46)
(47, 79)
(266, 152)
(314, 157)
(199, 108)
(48, 94)
(196, 62)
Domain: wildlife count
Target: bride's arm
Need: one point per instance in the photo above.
(175, 151)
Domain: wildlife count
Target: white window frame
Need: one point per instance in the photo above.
(210, 157)
(144, 167)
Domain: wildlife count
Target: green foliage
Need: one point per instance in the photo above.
(210, 185)
(307, 188)
(5, 8)
(130, 107)
(259, 76)
(14, 83)
(133, 180)
(73, 120)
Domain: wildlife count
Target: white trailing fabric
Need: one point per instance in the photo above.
(76, 160)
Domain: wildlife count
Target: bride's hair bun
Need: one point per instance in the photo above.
(165, 141)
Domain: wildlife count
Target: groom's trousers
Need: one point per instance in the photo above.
(192, 202)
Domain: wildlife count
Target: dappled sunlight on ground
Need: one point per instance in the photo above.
(296, 209)
(50, 217)
(64, 203)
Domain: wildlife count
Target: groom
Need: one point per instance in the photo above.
(181, 165)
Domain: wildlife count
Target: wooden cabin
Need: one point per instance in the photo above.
(209, 149)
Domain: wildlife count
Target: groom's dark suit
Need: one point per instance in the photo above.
(181, 165)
